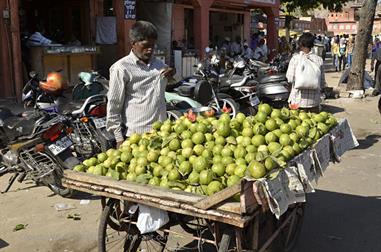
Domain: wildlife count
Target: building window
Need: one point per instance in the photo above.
(330, 27)
(348, 27)
(354, 27)
(341, 27)
(335, 27)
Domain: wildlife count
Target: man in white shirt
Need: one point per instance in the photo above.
(136, 96)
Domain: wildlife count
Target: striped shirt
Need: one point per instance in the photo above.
(305, 98)
(136, 96)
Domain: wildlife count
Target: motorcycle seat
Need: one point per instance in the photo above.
(273, 78)
(185, 90)
(271, 89)
(68, 108)
(17, 126)
(240, 82)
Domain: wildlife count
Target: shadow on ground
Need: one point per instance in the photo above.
(332, 109)
(336, 222)
(368, 142)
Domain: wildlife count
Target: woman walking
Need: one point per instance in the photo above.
(306, 73)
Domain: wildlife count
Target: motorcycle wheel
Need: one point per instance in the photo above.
(228, 103)
(60, 190)
(173, 115)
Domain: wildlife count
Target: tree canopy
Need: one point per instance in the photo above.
(290, 6)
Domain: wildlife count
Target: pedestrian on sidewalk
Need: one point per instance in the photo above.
(350, 49)
(300, 98)
(342, 54)
(376, 57)
(336, 52)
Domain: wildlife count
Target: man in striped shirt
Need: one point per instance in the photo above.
(136, 96)
(307, 99)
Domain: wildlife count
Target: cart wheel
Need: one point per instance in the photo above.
(192, 225)
(225, 241)
(291, 232)
(118, 233)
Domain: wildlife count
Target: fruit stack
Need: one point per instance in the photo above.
(206, 154)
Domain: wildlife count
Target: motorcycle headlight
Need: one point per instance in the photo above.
(10, 158)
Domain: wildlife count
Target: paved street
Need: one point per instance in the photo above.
(342, 216)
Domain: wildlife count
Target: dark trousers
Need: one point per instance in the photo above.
(378, 63)
(342, 62)
(377, 76)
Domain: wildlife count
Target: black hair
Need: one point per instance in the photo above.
(142, 30)
(307, 40)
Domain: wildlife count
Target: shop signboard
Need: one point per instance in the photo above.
(130, 9)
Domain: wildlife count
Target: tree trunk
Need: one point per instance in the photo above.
(364, 32)
(287, 26)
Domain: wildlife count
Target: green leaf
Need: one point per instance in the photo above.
(168, 139)
(281, 163)
(274, 174)
(155, 143)
(261, 156)
(20, 227)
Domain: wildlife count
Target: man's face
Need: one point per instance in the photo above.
(144, 49)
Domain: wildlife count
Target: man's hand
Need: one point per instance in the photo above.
(168, 72)
(118, 144)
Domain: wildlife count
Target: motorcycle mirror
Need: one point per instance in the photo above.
(32, 74)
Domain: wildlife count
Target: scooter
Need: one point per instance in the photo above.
(202, 88)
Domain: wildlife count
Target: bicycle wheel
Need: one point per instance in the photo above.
(118, 233)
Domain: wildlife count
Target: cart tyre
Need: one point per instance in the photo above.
(225, 242)
(105, 221)
(188, 228)
(133, 239)
(291, 237)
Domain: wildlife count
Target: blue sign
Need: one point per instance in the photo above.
(130, 9)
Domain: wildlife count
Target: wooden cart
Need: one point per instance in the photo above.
(215, 223)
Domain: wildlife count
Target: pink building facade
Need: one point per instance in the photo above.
(203, 21)
(344, 22)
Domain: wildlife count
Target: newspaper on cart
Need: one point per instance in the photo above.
(290, 186)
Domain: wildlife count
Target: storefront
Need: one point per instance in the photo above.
(94, 33)
(216, 19)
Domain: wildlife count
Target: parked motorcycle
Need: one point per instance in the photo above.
(239, 82)
(36, 146)
(89, 120)
(270, 87)
(202, 88)
(87, 110)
